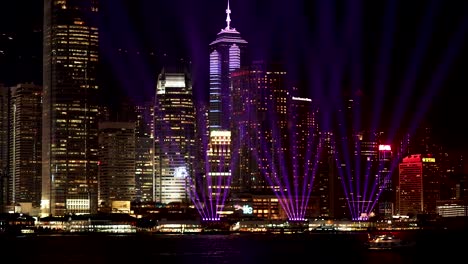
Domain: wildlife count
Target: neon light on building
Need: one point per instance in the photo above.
(385, 147)
(226, 55)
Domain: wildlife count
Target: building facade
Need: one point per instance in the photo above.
(226, 55)
(144, 153)
(410, 189)
(70, 107)
(4, 131)
(25, 144)
(259, 111)
(116, 175)
(386, 199)
(174, 133)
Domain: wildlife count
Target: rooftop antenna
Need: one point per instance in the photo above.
(228, 18)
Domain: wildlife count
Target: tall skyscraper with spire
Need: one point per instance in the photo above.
(226, 55)
(70, 131)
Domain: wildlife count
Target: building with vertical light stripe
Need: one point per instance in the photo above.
(226, 55)
(70, 107)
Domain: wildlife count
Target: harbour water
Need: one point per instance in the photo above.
(445, 247)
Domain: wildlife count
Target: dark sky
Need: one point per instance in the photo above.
(409, 58)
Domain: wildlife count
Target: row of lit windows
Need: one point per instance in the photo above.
(84, 43)
(66, 108)
(77, 50)
(61, 36)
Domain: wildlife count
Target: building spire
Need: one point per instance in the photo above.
(228, 18)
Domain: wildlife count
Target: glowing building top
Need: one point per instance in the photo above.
(226, 55)
(228, 18)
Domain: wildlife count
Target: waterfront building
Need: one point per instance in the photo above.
(25, 144)
(174, 134)
(116, 175)
(385, 182)
(259, 110)
(419, 185)
(219, 173)
(144, 153)
(326, 184)
(4, 176)
(410, 186)
(70, 107)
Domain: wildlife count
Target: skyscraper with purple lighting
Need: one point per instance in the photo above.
(255, 89)
(226, 55)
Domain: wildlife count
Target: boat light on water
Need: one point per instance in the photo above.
(388, 241)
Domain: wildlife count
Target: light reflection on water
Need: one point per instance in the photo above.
(212, 248)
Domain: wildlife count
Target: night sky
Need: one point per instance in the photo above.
(410, 55)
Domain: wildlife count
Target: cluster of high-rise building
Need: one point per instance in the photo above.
(257, 149)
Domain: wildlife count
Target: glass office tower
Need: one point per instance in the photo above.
(174, 133)
(226, 55)
(69, 133)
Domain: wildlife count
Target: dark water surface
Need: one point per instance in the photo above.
(431, 247)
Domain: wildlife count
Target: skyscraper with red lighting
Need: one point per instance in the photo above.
(410, 190)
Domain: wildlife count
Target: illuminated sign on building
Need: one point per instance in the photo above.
(428, 159)
(78, 204)
(302, 99)
(180, 172)
(246, 209)
(385, 147)
(120, 206)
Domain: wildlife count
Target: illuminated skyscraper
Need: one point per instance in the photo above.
(144, 153)
(219, 174)
(174, 132)
(116, 164)
(70, 130)
(419, 185)
(327, 184)
(259, 106)
(4, 177)
(25, 143)
(226, 55)
(410, 186)
(384, 180)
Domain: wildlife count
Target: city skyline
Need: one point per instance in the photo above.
(286, 130)
(403, 43)
(318, 103)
